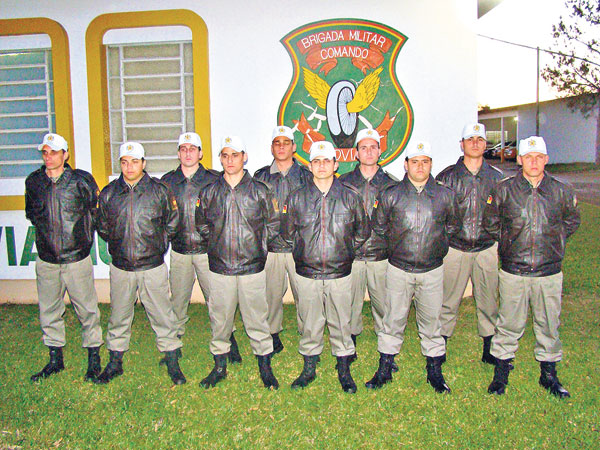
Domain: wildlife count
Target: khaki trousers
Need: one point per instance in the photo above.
(77, 278)
(152, 288)
(368, 275)
(247, 291)
(184, 269)
(517, 293)
(325, 302)
(427, 291)
(280, 268)
(482, 268)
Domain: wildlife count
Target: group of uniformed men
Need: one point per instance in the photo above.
(244, 238)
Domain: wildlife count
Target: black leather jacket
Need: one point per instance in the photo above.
(472, 192)
(416, 225)
(297, 176)
(137, 223)
(532, 224)
(62, 213)
(238, 223)
(188, 240)
(324, 230)
(375, 249)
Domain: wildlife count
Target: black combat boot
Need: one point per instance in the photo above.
(234, 352)
(486, 356)
(309, 372)
(434, 374)
(266, 373)
(163, 361)
(173, 369)
(94, 365)
(277, 344)
(218, 373)
(343, 368)
(354, 357)
(113, 369)
(501, 371)
(549, 380)
(384, 372)
(55, 364)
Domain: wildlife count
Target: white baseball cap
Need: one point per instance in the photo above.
(322, 148)
(234, 142)
(474, 129)
(419, 148)
(532, 144)
(133, 149)
(367, 133)
(55, 142)
(190, 138)
(282, 130)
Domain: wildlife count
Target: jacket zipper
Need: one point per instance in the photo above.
(232, 227)
(56, 229)
(323, 232)
(534, 227)
(190, 224)
(132, 234)
(419, 197)
(474, 218)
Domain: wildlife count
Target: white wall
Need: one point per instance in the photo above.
(250, 70)
(569, 136)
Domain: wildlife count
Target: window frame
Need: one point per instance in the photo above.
(98, 79)
(124, 110)
(63, 107)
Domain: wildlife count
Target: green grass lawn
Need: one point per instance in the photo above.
(572, 167)
(141, 409)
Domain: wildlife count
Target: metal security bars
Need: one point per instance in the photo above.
(26, 109)
(151, 99)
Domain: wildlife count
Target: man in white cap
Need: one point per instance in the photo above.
(237, 214)
(370, 265)
(473, 253)
(531, 215)
(61, 204)
(284, 175)
(416, 217)
(137, 217)
(325, 223)
(188, 248)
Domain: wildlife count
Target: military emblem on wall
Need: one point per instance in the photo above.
(345, 80)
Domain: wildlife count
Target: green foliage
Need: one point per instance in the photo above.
(142, 410)
(575, 70)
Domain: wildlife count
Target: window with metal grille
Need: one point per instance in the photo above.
(151, 100)
(26, 109)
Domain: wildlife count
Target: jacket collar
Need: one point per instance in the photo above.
(245, 179)
(335, 190)
(65, 176)
(524, 184)
(124, 187)
(273, 169)
(358, 176)
(181, 178)
(484, 169)
(429, 187)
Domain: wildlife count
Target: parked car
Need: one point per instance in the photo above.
(509, 150)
